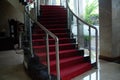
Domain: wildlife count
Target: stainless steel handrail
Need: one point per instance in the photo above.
(48, 33)
(91, 26)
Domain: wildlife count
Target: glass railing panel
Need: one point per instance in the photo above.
(93, 46)
(85, 34)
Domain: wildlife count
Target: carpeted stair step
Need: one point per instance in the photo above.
(62, 54)
(53, 26)
(53, 22)
(51, 7)
(58, 30)
(55, 10)
(37, 42)
(52, 47)
(53, 16)
(48, 12)
(52, 19)
(42, 36)
(74, 70)
(66, 62)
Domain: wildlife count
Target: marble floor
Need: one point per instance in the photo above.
(11, 68)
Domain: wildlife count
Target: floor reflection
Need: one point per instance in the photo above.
(90, 75)
(106, 71)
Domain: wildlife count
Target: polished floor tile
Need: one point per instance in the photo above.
(11, 68)
(106, 71)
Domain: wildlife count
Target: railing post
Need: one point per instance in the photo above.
(47, 51)
(61, 2)
(57, 59)
(28, 31)
(89, 42)
(69, 22)
(97, 55)
(35, 9)
(38, 7)
(80, 35)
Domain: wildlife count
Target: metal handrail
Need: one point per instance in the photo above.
(90, 26)
(48, 33)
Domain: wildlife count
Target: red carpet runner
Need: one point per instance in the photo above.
(72, 64)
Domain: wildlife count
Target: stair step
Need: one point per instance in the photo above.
(42, 36)
(55, 26)
(52, 47)
(62, 54)
(53, 22)
(49, 12)
(50, 6)
(66, 62)
(74, 70)
(52, 41)
(52, 19)
(53, 9)
(59, 30)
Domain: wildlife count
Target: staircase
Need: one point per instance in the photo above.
(72, 61)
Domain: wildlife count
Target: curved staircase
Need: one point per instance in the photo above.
(72, 61)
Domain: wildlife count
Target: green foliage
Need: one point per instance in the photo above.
(87, 38)
(90, 11)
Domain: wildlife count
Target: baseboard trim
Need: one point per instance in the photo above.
(109, 58)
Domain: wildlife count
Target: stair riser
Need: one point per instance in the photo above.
(43, 36)
(52, 8)
(52, 19)
(36, 43)
(54, 31)
(53, 16)
(66, 64)
(47, 21)
(53, 48)
(62, 55)
(51, 26)
(52, 12)
(77, 73)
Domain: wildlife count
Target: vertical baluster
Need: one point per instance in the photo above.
(78, 34)
(35, 9)
(57, 58)
(30, 32)
(97, 55)
(38, 7)
(47, 51)
(90, 42)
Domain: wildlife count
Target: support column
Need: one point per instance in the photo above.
(109, 29)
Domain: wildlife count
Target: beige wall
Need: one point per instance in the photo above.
(7, 11)
(105, 28)
(116, 27)
(109, 28)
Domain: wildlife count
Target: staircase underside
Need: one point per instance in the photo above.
(72, 62)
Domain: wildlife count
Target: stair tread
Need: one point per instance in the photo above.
(50, 39)
(73, 68)
(53, 62)
(67, 44)
(61, 52)
(43, 34)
